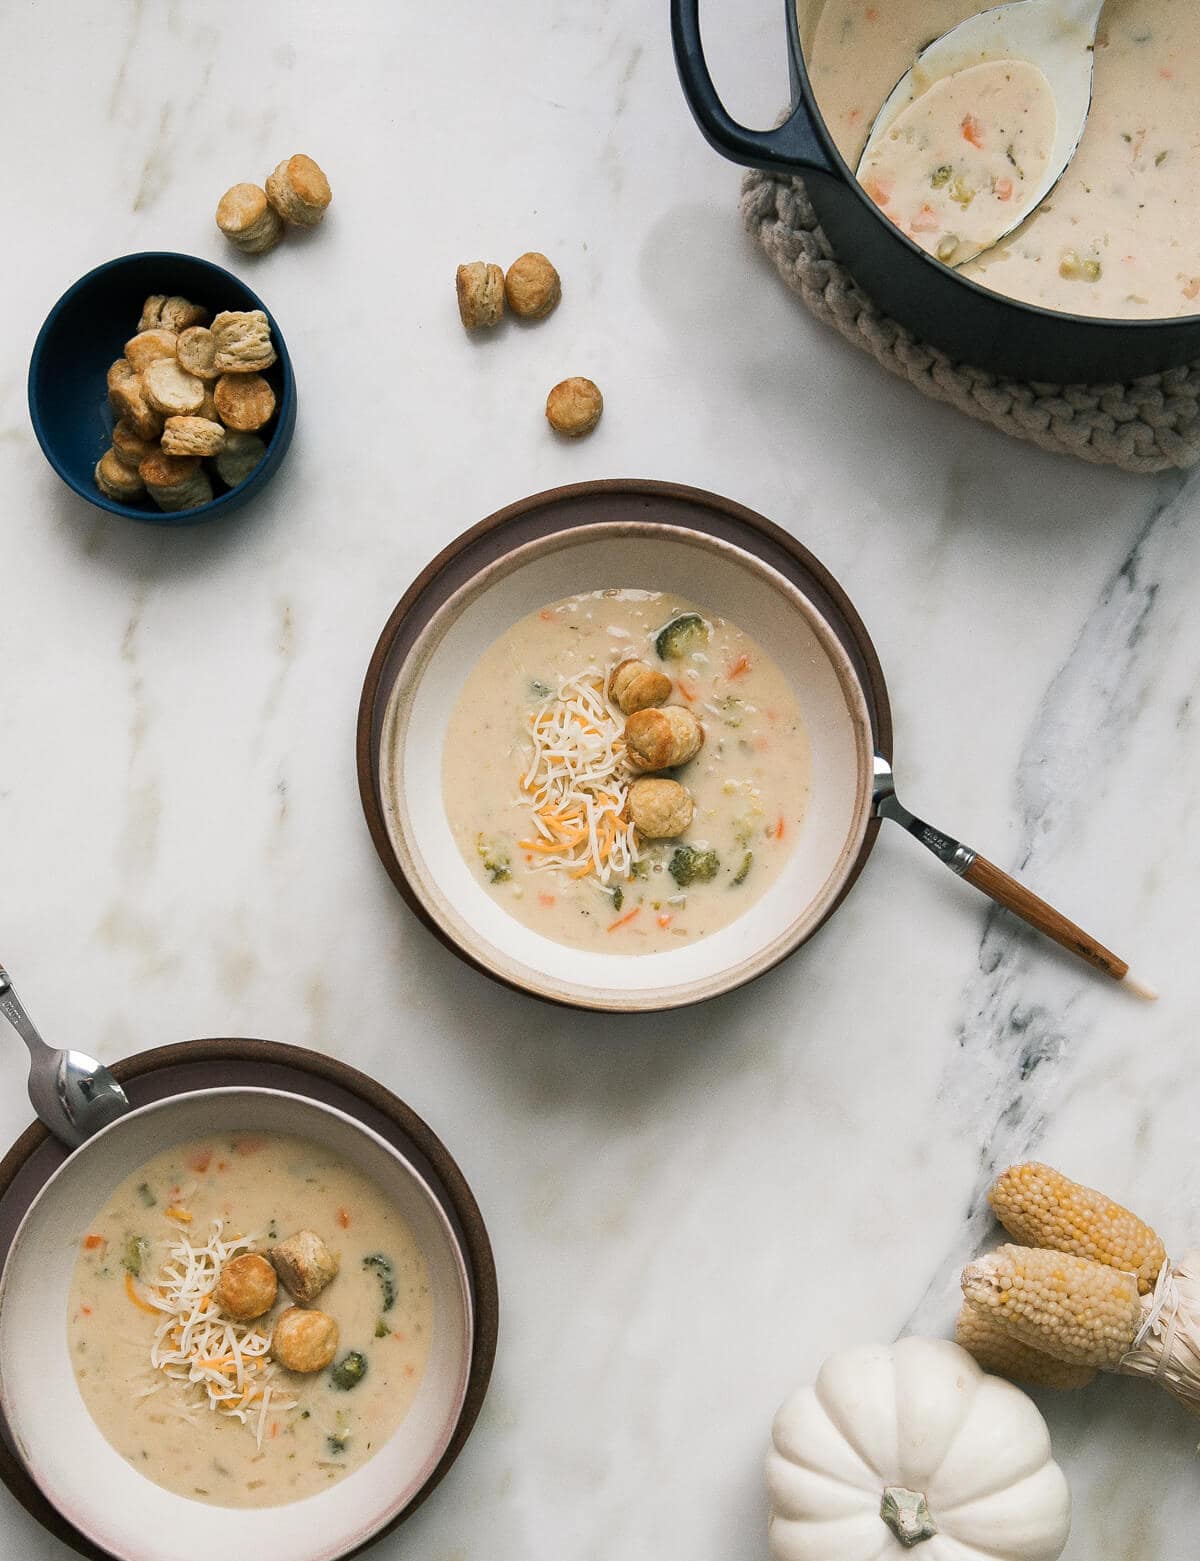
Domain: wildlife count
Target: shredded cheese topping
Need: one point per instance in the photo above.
(213, 1358)
(577, 783)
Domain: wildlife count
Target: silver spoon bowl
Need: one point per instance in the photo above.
(1058, 36)
(72, 1093)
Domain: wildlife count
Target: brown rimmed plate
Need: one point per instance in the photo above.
(587, 537)
(171, 1071)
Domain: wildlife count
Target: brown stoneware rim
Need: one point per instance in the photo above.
(615, 501)
(148, 1075)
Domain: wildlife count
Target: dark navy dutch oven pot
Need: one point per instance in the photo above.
(935, 303)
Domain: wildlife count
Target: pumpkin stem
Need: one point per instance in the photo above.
(907, 1514)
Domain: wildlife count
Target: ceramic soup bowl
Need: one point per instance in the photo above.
(722, 579)
(53, 1433)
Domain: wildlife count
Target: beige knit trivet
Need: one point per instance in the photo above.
(1148, 425)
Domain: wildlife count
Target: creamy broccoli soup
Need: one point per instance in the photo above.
(1116, 236)
(624, 771)
(249, 1319)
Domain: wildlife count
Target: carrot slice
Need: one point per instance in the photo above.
(664, 921)
(739, 669)
(1003, 189)
(200, 1160)
(623, 921)
(972, 130)
(685, 691)
(343, 1218)
(93, 1243)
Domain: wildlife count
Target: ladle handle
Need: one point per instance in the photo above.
(1022, 902)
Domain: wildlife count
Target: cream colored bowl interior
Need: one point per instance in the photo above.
(55, 1436)
(719, 578)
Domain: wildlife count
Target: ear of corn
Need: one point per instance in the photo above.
(1076, 1310)
(982, 1335)
(1040, 1207)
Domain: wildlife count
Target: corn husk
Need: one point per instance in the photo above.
(1167, 1345)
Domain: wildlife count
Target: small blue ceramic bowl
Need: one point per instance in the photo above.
(86, 332)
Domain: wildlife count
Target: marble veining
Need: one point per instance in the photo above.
(688, 1213)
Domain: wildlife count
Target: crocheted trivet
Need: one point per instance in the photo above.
(1148, 425)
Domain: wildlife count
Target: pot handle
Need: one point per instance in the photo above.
(794, 146)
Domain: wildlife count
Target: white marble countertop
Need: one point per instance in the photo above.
(688, 1214)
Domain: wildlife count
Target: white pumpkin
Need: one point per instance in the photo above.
(912, 1451)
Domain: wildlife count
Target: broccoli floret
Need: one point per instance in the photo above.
(387, 1278)
(381, 1329)
(349, 1371)
(496, 862)
(147, 1197)
(689, 866)
(743, 871)
(618, 897)
(681, 636)
(337, 1443)
(539, 690)
(137, 1249)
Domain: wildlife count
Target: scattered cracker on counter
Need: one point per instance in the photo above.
(243, 338)
(480, 288)
(299, 191)
(248, 220)
(532, 287)
(574, 406)
(177, 407)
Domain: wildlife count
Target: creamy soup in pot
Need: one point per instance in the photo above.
(625, 772)
(196, 1398)
(1116, 236)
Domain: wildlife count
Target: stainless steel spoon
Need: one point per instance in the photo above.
(1058, 36)
(1000, 887)
(73, 1094)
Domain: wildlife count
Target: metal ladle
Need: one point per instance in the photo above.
(1000, 887)
(73, 1094)
(1058, 36)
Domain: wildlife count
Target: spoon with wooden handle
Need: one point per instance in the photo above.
(998, 886)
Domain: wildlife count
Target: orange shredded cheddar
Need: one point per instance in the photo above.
(176, 1213)
(132, 1292)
